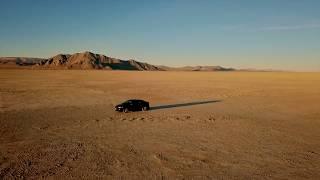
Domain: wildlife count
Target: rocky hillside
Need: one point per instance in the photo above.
(88, 60)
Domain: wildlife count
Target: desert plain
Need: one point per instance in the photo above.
(201, 125)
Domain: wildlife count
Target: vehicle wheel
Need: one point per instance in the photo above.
(144, 108)
(126, 110)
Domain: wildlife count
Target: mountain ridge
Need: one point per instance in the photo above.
(89, 60)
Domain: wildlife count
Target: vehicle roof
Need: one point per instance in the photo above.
(136, 100)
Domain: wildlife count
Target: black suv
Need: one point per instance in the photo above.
(133, 105)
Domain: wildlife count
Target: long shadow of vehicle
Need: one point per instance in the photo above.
(183, 104)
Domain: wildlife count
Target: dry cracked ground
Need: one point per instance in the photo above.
(202, 125)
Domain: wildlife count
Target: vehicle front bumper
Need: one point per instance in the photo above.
(118, 108)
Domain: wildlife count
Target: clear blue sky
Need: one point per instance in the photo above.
(278, 34)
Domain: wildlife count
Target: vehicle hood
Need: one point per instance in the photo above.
(119, 106)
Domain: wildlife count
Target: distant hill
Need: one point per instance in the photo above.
(18, 62)
(197, 68)
(89, 60)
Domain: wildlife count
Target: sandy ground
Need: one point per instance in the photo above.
(202, 125)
